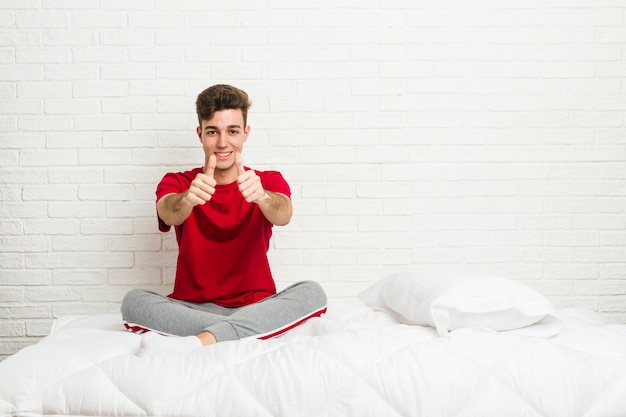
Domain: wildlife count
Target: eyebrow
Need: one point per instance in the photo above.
(227, 127)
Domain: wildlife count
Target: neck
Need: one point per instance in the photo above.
(223, 177)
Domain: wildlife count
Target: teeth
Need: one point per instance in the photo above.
(222, 153)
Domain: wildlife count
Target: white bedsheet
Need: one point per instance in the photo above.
(351, 362)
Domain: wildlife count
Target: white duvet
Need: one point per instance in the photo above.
(351, 362)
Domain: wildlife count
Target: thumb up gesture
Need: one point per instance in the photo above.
(249, 183)
(202, 187)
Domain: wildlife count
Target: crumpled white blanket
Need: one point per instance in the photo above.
(351, 362)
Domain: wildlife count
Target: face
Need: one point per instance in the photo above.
(223, 136)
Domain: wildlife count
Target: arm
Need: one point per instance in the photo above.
(276, 208)
(174, 208)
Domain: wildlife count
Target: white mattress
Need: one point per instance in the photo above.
(351, 362)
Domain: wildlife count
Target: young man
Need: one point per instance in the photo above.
(223, 214)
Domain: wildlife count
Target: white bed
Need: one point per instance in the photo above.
(354, 361)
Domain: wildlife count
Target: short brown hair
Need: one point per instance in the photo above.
(221, 97)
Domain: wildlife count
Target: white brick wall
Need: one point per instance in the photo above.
(487, 135)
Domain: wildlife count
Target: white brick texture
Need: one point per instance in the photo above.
(489, 136)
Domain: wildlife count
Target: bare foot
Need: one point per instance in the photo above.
(152, 342)
(207, 338)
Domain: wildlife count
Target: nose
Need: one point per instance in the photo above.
(221, 141)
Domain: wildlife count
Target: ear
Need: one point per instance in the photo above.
(199, 132)
(246, 132)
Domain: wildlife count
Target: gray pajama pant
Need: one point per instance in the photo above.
(146, 310)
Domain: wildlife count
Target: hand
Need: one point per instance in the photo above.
(202, 187)
(249, 183)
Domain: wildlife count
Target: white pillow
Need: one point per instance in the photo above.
(448, 300)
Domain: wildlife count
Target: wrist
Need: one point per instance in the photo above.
(265, 198)
(185, 200)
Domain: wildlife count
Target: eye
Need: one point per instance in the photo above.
(234, 132)
(211, 132)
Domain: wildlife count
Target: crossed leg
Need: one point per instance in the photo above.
(207, 323)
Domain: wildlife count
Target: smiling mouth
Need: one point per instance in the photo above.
(223, 155)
